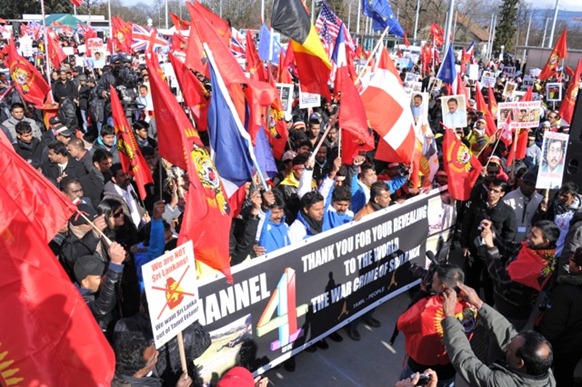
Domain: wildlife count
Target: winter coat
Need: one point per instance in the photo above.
(524, 209)
(30, 152)
(473, 370)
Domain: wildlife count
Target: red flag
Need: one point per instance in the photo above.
(438, 34)
(122, 34)
(216, 23)
(195, 55)
(461, 89)
(28, 81)
(426, 58)
(491, 128)
(45, 207)
(195, 95)
(55, 51)
(492, 102)
(567, 107)
(521, 144)
(179, 42)
(461, 166)
(169, 134)
(388, 110)
(206, 202)
(560, 52)
(77, 3)
(254, 65)
(181, 25)
(130, 155)
(513, 150)
(352, 114)
(406, 42)
(49, 336)
(532, 268)
(283, 75)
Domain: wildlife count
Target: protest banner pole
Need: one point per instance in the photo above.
(493, 152)
(487, 143)
(339, 142)
(371, 55)
(107, 240)
(321, 140)
(182, 352)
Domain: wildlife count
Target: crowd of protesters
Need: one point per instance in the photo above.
(505, 219)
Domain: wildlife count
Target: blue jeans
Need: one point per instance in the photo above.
(407, 372)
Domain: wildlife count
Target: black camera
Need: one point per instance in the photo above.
(424, 380)
(425, 275)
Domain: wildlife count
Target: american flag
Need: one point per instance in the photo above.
(237, 44)
(327, 26)
(141, 39)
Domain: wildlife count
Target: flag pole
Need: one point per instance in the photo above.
(361, 73)
(46, 48)
(107, 240)
(320, 142)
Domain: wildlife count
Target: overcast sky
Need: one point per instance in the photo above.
(566, 5)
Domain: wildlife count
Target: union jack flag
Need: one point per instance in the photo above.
(141, 39)
(237, 44)
(328, 26)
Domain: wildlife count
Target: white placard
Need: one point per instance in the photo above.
(308, 100)
(286, 94)
(522, 114)
(551, 171)
(172, 292)
(474, 72)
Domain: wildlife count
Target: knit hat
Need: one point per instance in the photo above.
(88, 265)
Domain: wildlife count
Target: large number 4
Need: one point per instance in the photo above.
(284, 299)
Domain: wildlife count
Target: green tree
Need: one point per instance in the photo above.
(506, 26)
(12, 9)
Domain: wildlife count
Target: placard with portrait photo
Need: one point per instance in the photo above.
(419, 107)
(454, 109)
(551, 171)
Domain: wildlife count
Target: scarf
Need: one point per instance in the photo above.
(312, 226)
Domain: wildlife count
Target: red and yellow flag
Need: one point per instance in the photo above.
(55, 51)
(460, 165)
(567, 108)
(28, 81)
(130, 155)
(122, 34)
(560, 52)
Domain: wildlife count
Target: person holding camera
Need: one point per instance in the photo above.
(528, 355)
(429, 378)
(420, 325)
(502, 219)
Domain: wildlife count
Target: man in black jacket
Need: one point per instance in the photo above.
(28, 147)
(502, 217)
(60, 164)
(99, 290)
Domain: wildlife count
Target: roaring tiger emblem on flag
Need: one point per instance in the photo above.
(22, 77)
(210, 179)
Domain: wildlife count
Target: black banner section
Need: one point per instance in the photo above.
(281, 304)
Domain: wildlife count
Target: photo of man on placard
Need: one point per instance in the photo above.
(553, 160)
(454, 111)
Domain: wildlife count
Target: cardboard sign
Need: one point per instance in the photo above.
(308, 100)
(95, 44)
(523, 114)
(509, 90)
(286, 93)
(553, 92)
(473, 72)
(551, 171)
(172, 292)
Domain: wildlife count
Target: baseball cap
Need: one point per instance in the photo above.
(91, 79)
(64, 131)
(315, 117)
(85, 209)
(88, 265)
(530, 177)
(54, 120)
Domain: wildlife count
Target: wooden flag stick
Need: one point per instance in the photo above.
(182, 352)
(105, 238)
